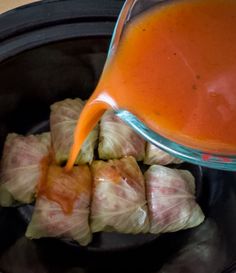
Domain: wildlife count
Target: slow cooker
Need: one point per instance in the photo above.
(54, 49)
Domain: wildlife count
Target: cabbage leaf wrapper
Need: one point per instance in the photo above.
(24, 163)
(63, 120)
(62, 207)
(118, 202)
(156, 156)
(171, 200)
(117, 139)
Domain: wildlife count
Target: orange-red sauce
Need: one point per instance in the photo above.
(66, 188)
(175, 69)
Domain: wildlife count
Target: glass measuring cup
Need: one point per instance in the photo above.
(131, 9)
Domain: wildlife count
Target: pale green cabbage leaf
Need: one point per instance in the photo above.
(117, 139)
(155, 155)
(50, 220)
(171, 200)
(22, 167)
(119, 202)
(63, 120)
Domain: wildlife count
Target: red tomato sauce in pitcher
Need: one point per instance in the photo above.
(175, 69)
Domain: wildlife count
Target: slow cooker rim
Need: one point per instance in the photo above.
(55, 12)
(39, 37)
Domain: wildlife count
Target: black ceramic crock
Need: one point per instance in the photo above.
(55, 49)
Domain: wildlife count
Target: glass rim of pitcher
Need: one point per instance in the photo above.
(195, 156)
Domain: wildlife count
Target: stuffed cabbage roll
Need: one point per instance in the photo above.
(24, 161)
(171, 200)
(155, 155)
(117, 139)
(63, 120)
(62, 207)
(118, 202)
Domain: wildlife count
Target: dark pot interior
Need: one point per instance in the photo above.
(48, 58)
